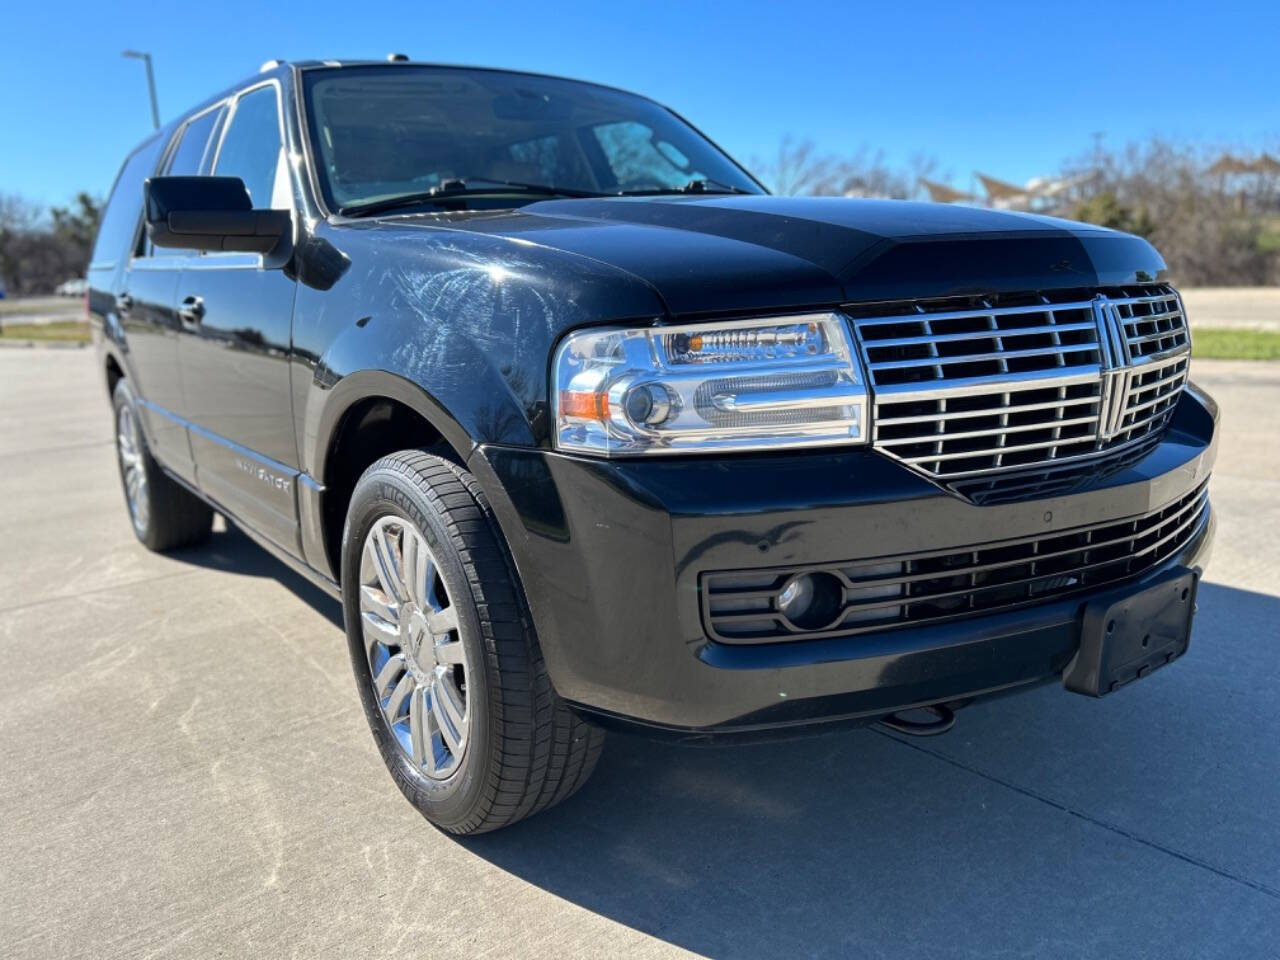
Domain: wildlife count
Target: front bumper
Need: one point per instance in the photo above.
(610, 554)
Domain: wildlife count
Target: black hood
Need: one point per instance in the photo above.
(716, 254)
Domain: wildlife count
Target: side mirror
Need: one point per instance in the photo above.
(210, 213)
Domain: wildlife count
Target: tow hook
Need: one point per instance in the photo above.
(944, 718)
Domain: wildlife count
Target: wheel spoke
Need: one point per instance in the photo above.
(418, 737)
(375, 601)
(449, 711)
(383, 558)
(403, 689)
(408, 563)
(451, 654)
(128, 453)
(378, 630)
(391, 671)
(423, 573)
(440, 622)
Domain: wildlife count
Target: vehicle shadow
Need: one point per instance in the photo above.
(1044, 824)
(230, 550)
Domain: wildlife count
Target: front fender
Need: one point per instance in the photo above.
(460, 326)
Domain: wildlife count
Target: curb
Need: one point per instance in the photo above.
(42, 344)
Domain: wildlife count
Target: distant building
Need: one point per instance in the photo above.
(1040, 195)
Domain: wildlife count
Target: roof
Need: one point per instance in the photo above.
(999, 189)
(1266, 164)
(1228, 164)
(941, 193)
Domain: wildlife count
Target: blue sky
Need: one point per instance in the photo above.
(1011, 89)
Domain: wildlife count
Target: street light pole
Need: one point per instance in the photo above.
(151, 82)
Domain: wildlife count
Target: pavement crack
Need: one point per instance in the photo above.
(123, 585)
(1081, 815)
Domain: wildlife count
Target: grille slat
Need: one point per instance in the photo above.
(982, 335)
(888, 592)
(1038, 381)
(999, 355)
(983, 412)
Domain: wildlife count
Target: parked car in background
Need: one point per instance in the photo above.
(72, 288)
(584, 429)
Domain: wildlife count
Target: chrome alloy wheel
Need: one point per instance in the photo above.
(416, 657)
(134, 471)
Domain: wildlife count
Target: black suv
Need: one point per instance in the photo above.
(586, 429)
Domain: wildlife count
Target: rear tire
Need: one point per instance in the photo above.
(164, 515)
(445, 656)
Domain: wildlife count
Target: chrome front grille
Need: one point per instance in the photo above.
(884, 592)
(1010, 397)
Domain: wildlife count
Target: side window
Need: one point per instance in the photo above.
(639, 161)
(251, 146)
(124, 209)
(191, 157)
(194, 155)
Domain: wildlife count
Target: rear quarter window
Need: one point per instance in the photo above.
(119, 227)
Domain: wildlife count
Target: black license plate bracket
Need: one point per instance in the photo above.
(1125, 635)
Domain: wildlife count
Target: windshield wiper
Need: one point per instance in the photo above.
(698, 185)
(453, 189)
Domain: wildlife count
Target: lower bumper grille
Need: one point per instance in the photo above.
(887, 592)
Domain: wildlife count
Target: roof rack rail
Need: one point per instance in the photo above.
(397, 58)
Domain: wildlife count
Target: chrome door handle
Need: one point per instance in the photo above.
(191, 312)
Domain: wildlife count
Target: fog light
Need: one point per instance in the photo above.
(811, 601)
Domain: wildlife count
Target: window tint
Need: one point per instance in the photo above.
(124, 209)
(639, 160)
(189, 159)
(251, 147)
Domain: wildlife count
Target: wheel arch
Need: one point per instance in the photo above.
(114, 372)
(367, 415)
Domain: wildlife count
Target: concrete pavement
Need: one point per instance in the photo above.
(1251, 308)
(184, 770)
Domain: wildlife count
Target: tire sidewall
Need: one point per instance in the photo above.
(383, 492)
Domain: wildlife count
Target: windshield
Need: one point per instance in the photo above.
(384, 132)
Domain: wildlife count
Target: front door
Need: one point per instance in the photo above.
(236, 311)
(147, 307)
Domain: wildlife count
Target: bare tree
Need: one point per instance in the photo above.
(1211, 229)
(799, 169)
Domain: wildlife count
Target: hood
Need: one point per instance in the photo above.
(716, 254)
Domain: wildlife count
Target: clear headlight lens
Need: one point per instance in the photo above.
(740, 385)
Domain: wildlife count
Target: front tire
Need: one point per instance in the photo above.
(445, 657)
(165, 516)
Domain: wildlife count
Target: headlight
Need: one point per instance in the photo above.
(740, 385)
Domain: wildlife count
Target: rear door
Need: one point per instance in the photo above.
(235, 342)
